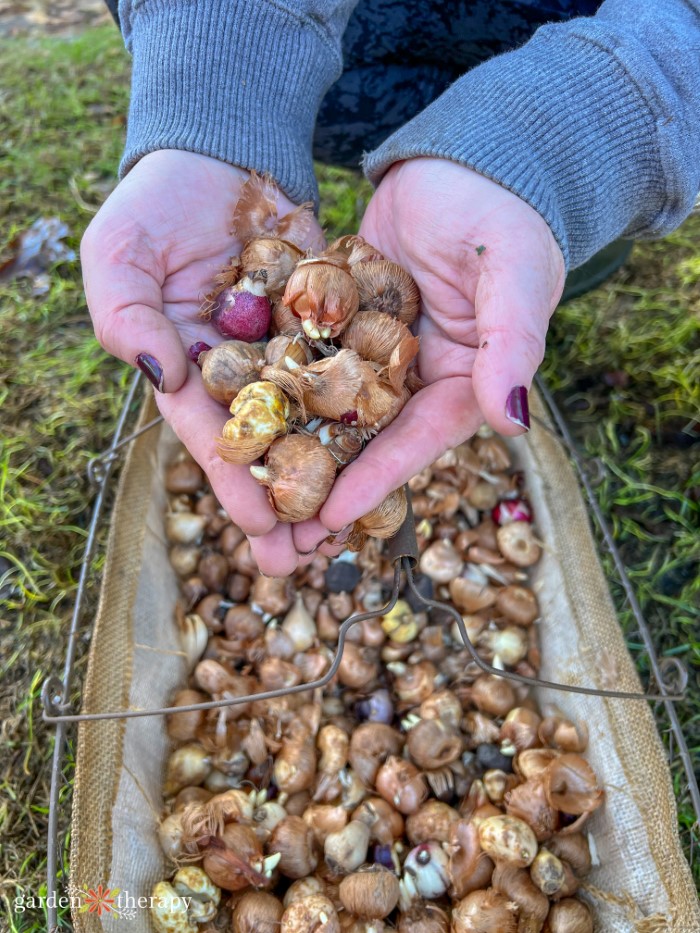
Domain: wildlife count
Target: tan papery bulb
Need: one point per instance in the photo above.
(256, 214)
(299, 473)
(230, 366)
(323, 294)
(386, 287)
(276, 257)
(346, 388)
(353, 249)
(380, 522)
(375, 336)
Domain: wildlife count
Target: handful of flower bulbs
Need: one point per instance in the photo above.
(318, 357)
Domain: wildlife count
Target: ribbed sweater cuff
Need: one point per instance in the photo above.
(239, 80)
(559, 123)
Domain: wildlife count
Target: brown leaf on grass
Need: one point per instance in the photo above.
(33, 252)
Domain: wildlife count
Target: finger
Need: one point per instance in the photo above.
(275, 553)
(305, 559)
(123, 285)
(513, 306)
(441, 415)
(308, 536)
(197, 420)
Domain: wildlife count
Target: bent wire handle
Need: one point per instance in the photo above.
(403, 553)
(403, 549)
(57, 716)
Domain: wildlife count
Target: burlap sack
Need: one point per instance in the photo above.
(643, 884)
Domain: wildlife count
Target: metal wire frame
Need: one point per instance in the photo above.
(56, 692)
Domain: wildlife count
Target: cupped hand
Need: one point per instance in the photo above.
(149, 257)
(490, 275)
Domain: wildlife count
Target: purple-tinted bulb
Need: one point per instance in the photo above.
(377, 707)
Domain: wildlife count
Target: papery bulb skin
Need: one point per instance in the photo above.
(518, 604)
(485, 912)
(384, 286)
(569, 916)
(184, 476)
(323, 294)
(344, 387)
(343, 442)
(381, 522)
(299, 474)
(256, 213)
(260, 412)
(284, 321)
(230, 366)
(375, 336)
(234, 860)
(257, 912)
(571, 785)
(284, 346)
(353, 249)
(244, 311)
(370, 894)
(423, 918)
(518, 887)
(276, 257)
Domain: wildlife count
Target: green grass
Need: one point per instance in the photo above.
(61, 131)
(62, 106)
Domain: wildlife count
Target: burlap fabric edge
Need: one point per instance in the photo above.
(99, 752)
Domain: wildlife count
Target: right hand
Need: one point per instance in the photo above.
(149, 257)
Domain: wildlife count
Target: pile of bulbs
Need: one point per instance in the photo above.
(414, 792)
(317, 356)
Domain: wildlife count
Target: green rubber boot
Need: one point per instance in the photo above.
(596, 270)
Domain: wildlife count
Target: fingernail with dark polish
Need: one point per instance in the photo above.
(151, 369)
(517, 409)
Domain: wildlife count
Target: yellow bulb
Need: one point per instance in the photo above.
(400, 623)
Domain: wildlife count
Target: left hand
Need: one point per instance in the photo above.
(490, 275)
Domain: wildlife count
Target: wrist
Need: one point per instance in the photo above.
(239, 81)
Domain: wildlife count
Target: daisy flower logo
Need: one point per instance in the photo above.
(100, 900)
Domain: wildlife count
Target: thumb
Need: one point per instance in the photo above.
(513, 307)
(123, 286)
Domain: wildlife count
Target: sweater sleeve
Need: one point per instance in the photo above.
(594, 122)
(239, 80)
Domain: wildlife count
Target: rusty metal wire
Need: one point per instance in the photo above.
(669, 674)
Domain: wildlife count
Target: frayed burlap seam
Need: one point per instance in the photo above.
(656, 923)
(107, 685)
(638, 747)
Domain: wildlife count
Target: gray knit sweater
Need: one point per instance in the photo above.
(594, 122)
